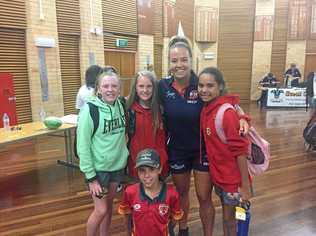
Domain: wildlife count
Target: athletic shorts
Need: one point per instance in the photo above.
(184, 161)
(106, 177)
(232, 199)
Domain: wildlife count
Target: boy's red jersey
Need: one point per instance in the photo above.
(151, 216)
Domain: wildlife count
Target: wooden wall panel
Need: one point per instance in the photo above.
(206, 21)
(68, 16)
(12, 14)
(158, 60)
(158, 21)
(185, 14)
(158, 36)
(235, 44)
(70, 70)
(264, 28)
(120, 16)
(68, 26)
(145, 11)
(13, 60)
(279, 43)
(311, 46)
(182, 10)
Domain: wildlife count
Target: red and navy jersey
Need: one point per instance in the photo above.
(181, 114)
(151, 216)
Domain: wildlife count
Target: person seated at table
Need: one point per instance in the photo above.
(269, 81)
(292, 76)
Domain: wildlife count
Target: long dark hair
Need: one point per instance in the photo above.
(154, 105)
(218, 76)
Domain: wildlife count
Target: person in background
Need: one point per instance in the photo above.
(181, 109)
(151, 203)
(296, 75)
(87, 89)
(228, 161)
(310, 84)
(103, 152)
(145, 127)
(269, 81)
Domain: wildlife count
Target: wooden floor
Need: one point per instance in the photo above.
(39, 197)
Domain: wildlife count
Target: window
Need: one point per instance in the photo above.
(297, 19)
(206, 24)
(313, 20)
(264, 27)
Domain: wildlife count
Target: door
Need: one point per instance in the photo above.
(124, 62)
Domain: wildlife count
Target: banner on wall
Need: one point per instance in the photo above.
(286, 97)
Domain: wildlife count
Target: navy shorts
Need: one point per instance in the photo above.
(184, 161)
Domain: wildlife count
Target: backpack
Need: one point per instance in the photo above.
(94, 114)
(259, 149)
(309, 133)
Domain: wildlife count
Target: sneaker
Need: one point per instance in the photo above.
(183, 232)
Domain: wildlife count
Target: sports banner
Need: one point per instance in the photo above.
(286, 97)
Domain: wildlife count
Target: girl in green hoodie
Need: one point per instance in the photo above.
(102, 151)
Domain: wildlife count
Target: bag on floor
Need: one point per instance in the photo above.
(259, 148)
(309, 133)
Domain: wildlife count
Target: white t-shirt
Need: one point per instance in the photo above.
(83, 95)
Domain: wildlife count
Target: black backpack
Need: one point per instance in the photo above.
(94, 114)
(309, 133)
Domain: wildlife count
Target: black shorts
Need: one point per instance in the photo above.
(184, 161)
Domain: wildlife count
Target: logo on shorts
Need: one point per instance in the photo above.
(177, 167)
(136, 207)
(163, 209)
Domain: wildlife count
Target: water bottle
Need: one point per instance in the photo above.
(42, 115)
(6, 122)
(243, 225)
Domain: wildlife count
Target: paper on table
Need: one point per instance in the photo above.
(70, 119)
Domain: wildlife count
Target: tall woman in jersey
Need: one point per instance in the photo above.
(181, 109)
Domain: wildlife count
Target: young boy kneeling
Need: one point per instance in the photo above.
(152, 203)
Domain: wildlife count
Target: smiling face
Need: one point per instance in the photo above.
(180, 63)
(149, 176)
(144, 89)
(109, 88)
(208, 88)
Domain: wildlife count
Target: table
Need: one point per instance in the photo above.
(36, 129)
(286, 97)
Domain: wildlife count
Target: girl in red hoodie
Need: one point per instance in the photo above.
(227, 161)
(145, 124)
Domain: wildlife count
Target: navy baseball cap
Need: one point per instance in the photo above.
(148, 157)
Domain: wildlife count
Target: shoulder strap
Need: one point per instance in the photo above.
(131, 122)
(94, 114)
(219, 121)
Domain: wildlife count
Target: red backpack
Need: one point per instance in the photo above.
(259, 148)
